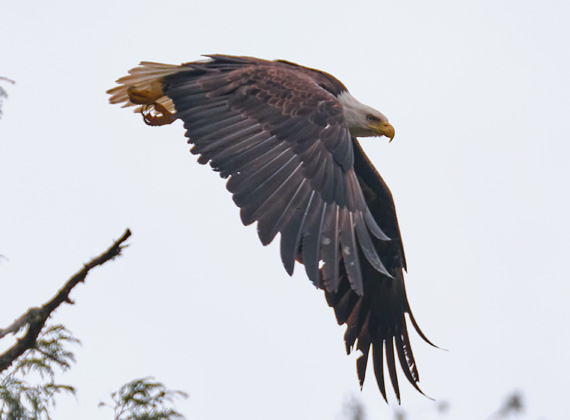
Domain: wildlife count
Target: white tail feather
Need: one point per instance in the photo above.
(147, 76)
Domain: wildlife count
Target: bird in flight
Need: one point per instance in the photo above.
(286, 137)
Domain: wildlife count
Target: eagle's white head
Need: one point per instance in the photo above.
(364, 121)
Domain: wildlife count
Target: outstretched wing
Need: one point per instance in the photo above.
(376, 320)
(284, 143)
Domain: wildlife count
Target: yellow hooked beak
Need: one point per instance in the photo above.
(386, 129)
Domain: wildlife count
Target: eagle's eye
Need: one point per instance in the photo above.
(370, 118)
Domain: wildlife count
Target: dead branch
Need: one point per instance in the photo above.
(35, 318)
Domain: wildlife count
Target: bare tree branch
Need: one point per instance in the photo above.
(36, 318)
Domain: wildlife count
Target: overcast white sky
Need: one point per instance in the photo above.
(479, 94)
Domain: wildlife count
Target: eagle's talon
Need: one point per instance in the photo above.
(156, 114)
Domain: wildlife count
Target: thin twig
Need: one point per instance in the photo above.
(35, 318)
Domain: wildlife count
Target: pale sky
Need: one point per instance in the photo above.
(479, 94)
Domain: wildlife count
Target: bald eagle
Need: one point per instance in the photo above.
(285, 136)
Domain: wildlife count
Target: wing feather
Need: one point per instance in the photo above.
(257, 171)
(350, 252)
(203, 115)
(312, 241)
(367, 246)
(193, 113)
(274, 218)
(249, 135)
(330, 249)
(378, 357)
(264, 191)
(262, 205)
(221, 127)
(391, 363)
(407, 362)
(230, 160)
(293, 230)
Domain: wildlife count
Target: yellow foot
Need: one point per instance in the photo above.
(156, 114)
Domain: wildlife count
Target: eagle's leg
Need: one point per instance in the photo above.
(153, 113)
(145, 96)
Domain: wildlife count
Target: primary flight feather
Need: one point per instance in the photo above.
(285, 135)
